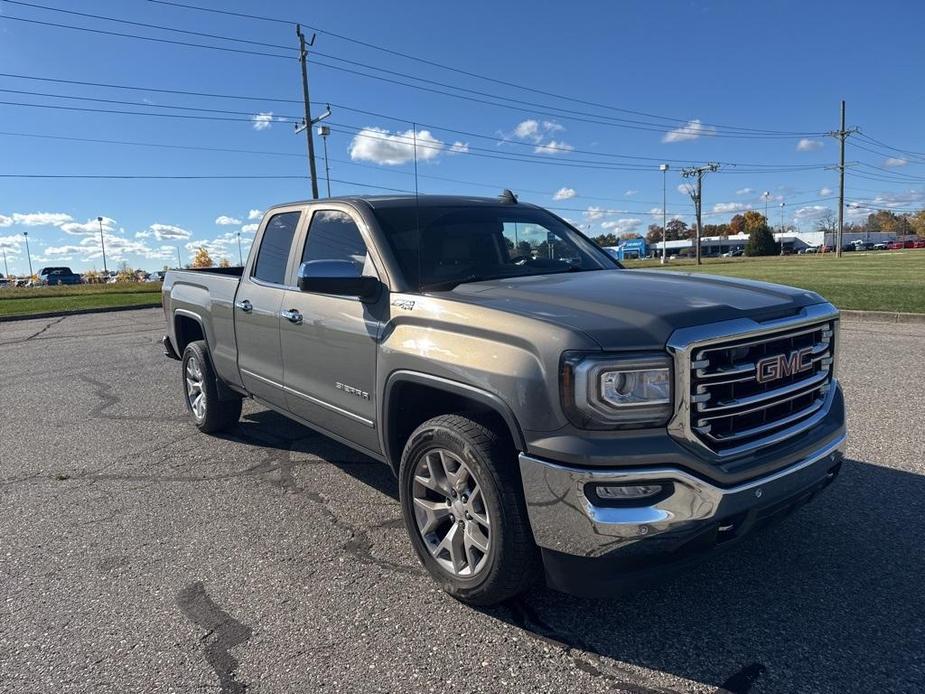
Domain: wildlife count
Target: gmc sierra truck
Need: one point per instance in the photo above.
(546, 412)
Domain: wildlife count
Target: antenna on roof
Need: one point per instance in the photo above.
(508, 197)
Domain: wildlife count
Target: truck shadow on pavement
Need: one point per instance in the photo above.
(830, 599)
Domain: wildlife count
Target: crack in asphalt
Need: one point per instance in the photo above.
(223, 632)
(48, 325)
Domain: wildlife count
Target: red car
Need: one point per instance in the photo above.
(895, 245)
(920, 243)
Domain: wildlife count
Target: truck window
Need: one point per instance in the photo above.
(274, 247)
(333, 235)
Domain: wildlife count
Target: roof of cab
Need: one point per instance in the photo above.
(383, 201)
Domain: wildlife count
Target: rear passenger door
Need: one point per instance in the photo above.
(257, 306)
(329, 350)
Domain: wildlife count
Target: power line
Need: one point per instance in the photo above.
(558, 112)
(458, 70)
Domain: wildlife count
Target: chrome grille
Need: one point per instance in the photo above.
(733, 411)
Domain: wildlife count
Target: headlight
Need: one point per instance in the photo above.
(610, 391)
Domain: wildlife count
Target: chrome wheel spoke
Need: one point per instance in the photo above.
(452, 545)
(434, 513)
(477, 507)
(195, 395)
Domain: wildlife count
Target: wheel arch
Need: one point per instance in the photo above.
(432, 396)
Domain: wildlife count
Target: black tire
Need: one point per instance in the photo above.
(218, 415)
(512, 561)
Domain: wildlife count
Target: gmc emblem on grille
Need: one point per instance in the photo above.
(780, 365)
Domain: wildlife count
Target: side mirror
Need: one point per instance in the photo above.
(337, 277)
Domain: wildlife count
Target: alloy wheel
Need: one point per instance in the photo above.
(450, 512)
(195, 394)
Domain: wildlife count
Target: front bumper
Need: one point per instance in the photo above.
(566, 524)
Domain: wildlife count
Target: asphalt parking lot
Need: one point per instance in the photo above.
(138, 555)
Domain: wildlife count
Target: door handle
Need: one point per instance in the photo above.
(292, 315)
(245, 306)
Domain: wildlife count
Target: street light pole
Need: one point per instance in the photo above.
(179, 260)
(102, 245)
(782, 227)
(6, 267)
(240, 255)
(767, 194)
(664, 169)
(324, 131)
(28, 253)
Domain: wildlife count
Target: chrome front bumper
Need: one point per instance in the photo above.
(564, 519)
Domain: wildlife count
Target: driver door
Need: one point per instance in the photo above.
(329, 343)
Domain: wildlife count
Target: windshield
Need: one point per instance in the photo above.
(458, 244)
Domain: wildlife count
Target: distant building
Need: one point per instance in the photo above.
(629, 249)
(793, 242)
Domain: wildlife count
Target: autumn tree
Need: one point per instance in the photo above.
(676, 230)
(224, 262)
(754, 221)
(626, 236)
(202, 258)
(654, 234)
(125, 273)
(604, 240)
(737, 225)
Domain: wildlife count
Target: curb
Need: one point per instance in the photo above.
(76, 312)
(882, 317)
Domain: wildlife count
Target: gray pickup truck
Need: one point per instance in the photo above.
(546, 412)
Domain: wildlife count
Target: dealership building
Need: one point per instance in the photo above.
(793, 242)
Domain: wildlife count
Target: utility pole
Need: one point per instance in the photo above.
(179, 260)
(102, 245)
(842, 134)
(6, 267)
(766, 195)
(240, 255)
(307, 124)
(664, 169)
(697, 195)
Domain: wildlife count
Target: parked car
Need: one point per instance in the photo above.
(918, 243)
(862, 245)
(909, 243)
(881, 246)
(808, 250)
(552, 416)
(895, 245)
(734, 253)
(58, 275)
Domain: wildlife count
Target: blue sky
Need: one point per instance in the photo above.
(742, 83)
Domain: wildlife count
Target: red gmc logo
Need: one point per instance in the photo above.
(780, 365)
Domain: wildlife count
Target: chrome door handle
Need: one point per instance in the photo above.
(245, 306)
(292, 315)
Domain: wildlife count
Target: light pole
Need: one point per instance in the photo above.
(664, 169)
(324, 131)
(782, 227)
(103, 246)
(179, 260)
(240, 256)
(766, 195)
(28, 254)
(6, 267)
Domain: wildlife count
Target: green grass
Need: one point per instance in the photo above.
(28, 300)
(874, 281)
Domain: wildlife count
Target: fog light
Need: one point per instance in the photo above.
(628, 492)
(603, 494)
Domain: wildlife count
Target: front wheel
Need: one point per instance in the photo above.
(201, 391)
(463, 507)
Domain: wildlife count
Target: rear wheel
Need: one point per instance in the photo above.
(463, 507)
(201, 392)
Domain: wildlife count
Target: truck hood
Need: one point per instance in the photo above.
(634, 309)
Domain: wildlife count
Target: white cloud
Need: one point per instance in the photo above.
(225, 220)
(622, 226)
(685, 188)
(630, 193)
(527, 130)
(723, 207)
(459, 148)
(553, 147)
(11, 242)
(144, 234)
(744, 191)
(41, 219)
(391, 149)
(594, 213)
(807, 145)
(564, 194)
(255, 214)
(810, 212)
(263, 120)
(91, 226)
(895, 161)
(249, 228)
(169, 231)
(692, 131)
(5, 221)
(55, 251)
(825, 191)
